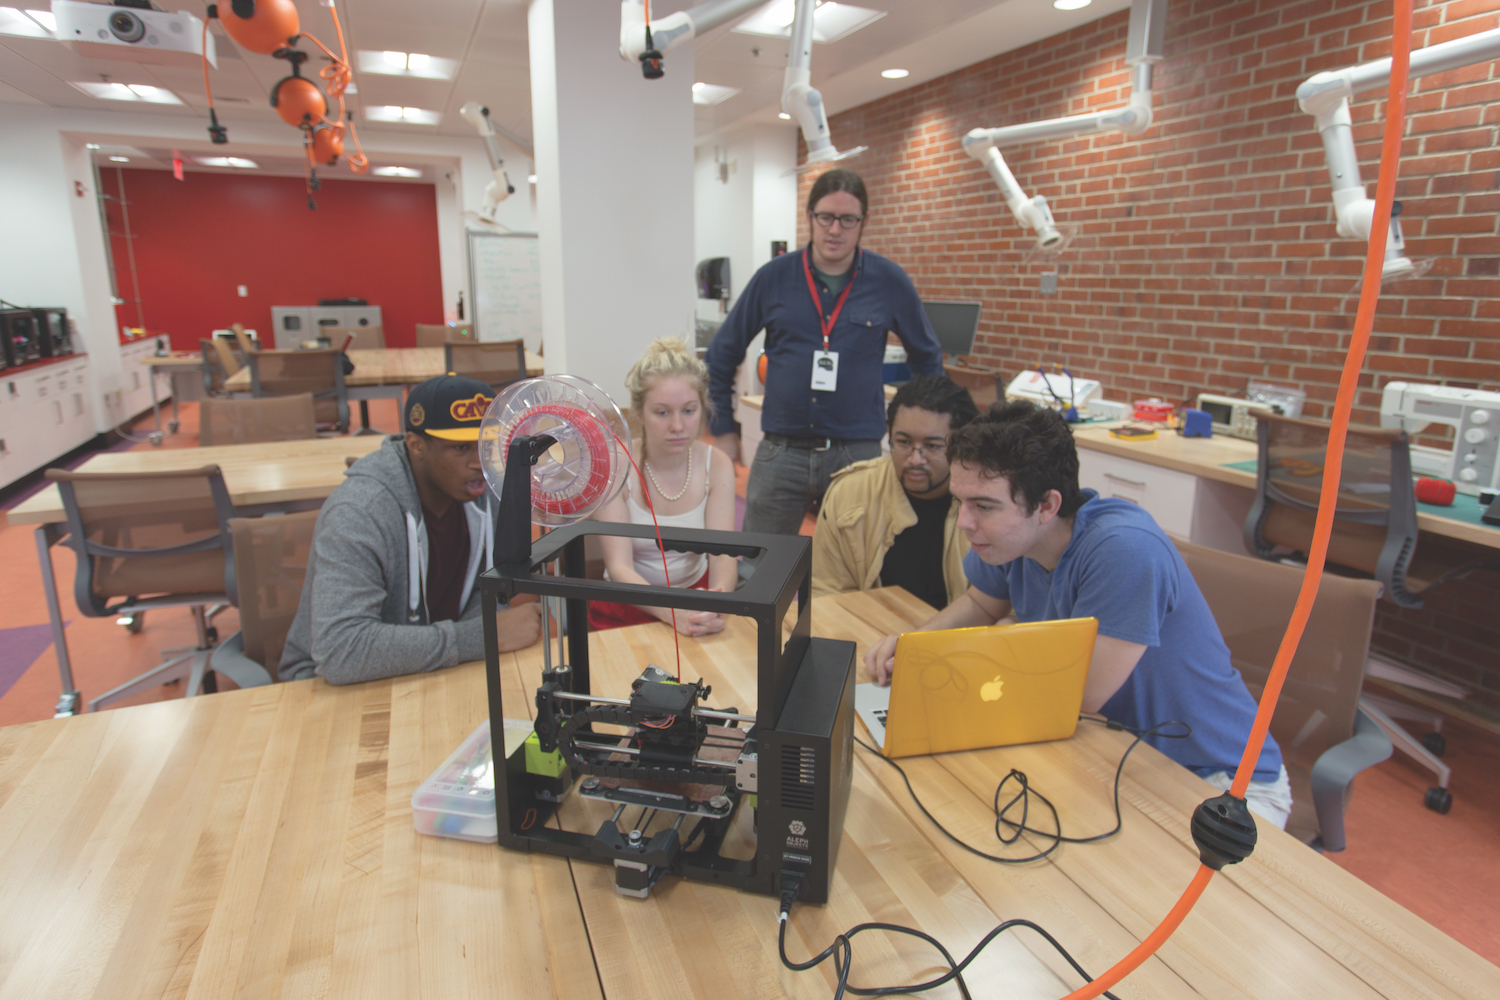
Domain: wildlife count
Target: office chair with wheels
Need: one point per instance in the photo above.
(1374, 534)
(246, 421)
(1325, 738)
(270, 559)
(498, 362)
(152, 540)
(219, 363)
(438, 334)
(291, 373)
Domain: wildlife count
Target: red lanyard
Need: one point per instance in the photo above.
(812, 289)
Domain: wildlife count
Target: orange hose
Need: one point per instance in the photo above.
(1385, 192)
(207, 90)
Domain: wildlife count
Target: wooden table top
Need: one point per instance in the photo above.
(390, 366)
(260, 843)
(177, 359)
(272, 472)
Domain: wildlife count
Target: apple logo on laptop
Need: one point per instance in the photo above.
(991, 691)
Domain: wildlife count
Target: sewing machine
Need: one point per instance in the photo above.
(1473, 462)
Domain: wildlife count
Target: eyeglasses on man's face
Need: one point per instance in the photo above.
(825, 220)
(929, 449)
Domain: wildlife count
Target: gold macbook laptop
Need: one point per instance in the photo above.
(971, 688)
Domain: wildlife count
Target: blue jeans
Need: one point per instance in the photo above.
(784, 481)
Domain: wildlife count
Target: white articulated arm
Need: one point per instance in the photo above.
(1143, 48)
(675, 29)
(801, 100)
(499, 188)
(1326, 97)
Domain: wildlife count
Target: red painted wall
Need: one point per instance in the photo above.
(196, 239)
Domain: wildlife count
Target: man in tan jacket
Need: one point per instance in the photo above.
(890, 521)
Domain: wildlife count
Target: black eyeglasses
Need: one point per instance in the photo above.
(930, 449)
(825, 220)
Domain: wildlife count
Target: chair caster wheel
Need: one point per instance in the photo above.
(1439, 800)
(212, 635)
(1436, 743)
(172, 426)
(155, 438)
(136, 622)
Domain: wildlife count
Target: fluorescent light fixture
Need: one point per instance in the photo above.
(92, 145)
(119, 159)
(783, 116)
(14, 21)
(1071, 4)
(531, 178)
(409, 116)
(43, 17)
(418, 64)
(831, 21)
(237, 162)
(128, 92)
(712, 93)
(397, 172)
(895, 74)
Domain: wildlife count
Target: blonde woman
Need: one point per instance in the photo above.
(689, 483)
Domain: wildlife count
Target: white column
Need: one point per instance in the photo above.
(614, 164)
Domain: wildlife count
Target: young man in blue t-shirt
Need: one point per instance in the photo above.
(1044, 549)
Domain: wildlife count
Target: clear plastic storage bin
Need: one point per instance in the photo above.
(458, 799)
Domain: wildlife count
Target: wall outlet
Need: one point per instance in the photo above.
(244, 292)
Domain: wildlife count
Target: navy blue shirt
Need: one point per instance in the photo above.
(1122, 569)
(777, 300)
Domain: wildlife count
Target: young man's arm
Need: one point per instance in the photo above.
(972, 608)
(1113, 662)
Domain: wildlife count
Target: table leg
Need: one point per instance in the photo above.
(68, 703)
(155, 399)
(175, 421)
(364, 414)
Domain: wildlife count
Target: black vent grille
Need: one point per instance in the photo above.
(799, 774)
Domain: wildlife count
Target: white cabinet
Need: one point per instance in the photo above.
(1166, 494)
(45, 412)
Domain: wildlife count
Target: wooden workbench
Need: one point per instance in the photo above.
(260, 844)
(388, 366)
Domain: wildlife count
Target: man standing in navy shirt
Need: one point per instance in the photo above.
(1043, 549)
(826, 310)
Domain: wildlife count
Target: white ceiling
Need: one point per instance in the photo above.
(488, 40)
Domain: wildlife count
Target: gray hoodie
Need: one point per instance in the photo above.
(363, 613)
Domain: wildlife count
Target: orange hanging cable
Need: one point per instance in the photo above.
(1385, 191)
(339, 75)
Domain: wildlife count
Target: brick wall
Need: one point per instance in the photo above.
(1206, 254)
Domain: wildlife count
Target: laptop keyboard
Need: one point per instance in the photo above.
(880, 714)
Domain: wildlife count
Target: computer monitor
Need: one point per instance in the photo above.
(955, 324)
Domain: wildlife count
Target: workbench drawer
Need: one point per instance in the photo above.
(1166, 494)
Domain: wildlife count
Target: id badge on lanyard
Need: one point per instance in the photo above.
(825, 367)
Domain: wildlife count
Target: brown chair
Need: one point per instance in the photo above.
(152, 540)
(292, 373)
(366, 338)
(247, 346)
(498, 362)
(1374, 534)
(270, 559)
(1325, 738)
(438, 334)
(246, 421)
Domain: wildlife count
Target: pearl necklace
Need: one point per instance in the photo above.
(688, 478)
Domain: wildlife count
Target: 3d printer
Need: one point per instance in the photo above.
(547, 450)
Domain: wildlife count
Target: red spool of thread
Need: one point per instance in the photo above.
(1439, 492)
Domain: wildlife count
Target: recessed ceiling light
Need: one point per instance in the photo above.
(783, 116)
(119, 159)
(397, 172)
(712, 93)
(237, 162)
(895, 74)
(1071, 4)
(20, 22)
(409, 116)
(419, 64)
(831, 21)
(92, 145)
(128, 92)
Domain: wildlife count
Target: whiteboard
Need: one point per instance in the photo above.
(505, 290)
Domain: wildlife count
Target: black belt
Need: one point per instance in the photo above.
(804, 443)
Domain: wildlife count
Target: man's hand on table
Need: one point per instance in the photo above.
(880, 660)
(518, 626)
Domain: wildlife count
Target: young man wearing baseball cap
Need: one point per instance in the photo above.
(397, 548)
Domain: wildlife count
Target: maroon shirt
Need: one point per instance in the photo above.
(447, 561)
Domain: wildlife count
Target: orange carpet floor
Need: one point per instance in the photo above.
(1445, 869)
